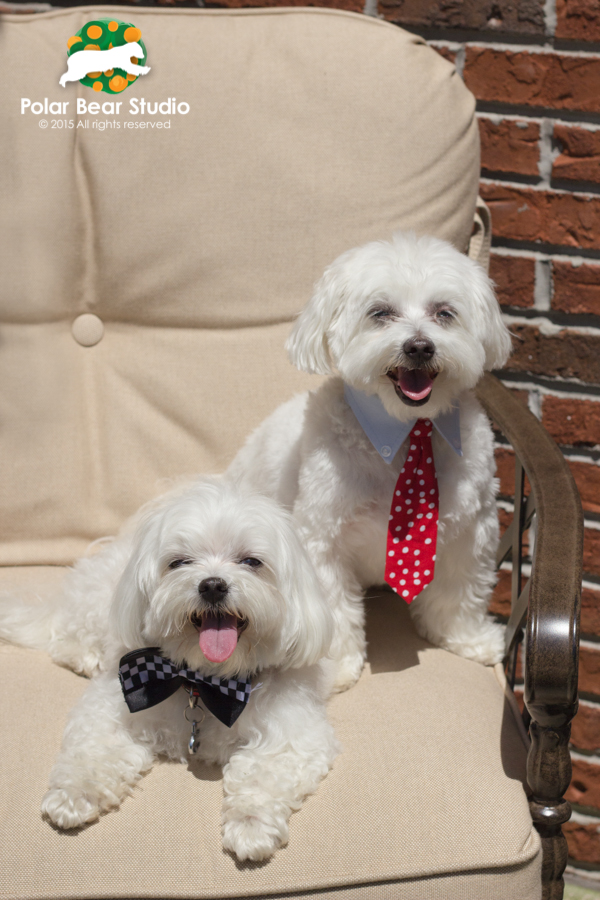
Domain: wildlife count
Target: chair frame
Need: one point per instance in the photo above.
(544, 614)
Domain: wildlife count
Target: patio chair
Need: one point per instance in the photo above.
(149, 279)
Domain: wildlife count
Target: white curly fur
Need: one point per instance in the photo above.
(126, 597)
(312, 456)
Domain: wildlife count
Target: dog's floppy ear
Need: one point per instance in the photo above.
(130, 599)
(308, 631)
(490, 327)
(308, 345)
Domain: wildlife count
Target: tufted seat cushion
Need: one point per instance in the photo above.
(425, 800)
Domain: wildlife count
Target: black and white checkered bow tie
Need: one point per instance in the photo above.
(147, 678)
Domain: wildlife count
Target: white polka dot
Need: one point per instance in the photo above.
(422, 500)
(403, 581)
(429, 459)
(409, 538)
(412, 447)
(391, 553)
(421, 481)
(396, 540)
(398, 528)
(420, 515)
(411, 490)
(429, 434)
(410, 524)
(416, 432)
(395, 590)
(410, 458)
(419, 471)
(430, 515)
(421, 493)
(417, 552)
(397, 493)
(405, 549)
(431, 505)
(417, 563)
(432, 491)
(422, 528)
(409, 511)
(433, 557)
(428, 541)
(402, 471)
(426, 572)
(417, 581)
(397, 508)
(405, 593)
(391, 517)
(405, 571)
(408, 480)
(392, 575)
(408, 502)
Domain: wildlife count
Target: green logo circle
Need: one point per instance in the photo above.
(103, 34)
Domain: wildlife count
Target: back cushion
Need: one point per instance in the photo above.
(188, 250)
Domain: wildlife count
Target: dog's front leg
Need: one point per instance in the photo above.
(99, 762)
(266, 780)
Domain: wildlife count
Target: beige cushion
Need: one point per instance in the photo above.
(309, 132)
(428, 787)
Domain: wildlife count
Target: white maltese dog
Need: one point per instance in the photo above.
(212, 590)
(409, 326)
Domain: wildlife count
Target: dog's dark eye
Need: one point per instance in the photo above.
(251, 561)
(445, 315)
(381, 313)
(176, 563)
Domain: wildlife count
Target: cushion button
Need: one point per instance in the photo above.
(87, 329)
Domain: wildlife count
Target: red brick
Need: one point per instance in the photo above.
(585, 731)
(591, 554)
(514, 277)
(549, 216)
(526, 16)
(590, 612)
(576, 288)
(579, 158)
(589, 670)
(578, 20)
(587, 479)
(585, 784)
(571, 421)
(584, 843)
(567, 354)
(505, 470)
(545, 79)
(444, 51)
(509, 146)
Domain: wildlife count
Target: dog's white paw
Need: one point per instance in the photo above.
(485, 646)
(348, 670)
(253, 837)
(69, 809)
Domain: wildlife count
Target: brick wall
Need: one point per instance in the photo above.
(534, 66)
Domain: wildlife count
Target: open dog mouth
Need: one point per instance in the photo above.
(218, 633)
(413, 386)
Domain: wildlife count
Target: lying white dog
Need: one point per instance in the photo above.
(214, 585)
(409, 325)
(83, 62)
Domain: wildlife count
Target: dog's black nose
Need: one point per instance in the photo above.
(213, 590)
(419, 350)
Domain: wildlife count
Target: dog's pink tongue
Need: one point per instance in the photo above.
(218, 637)
(415, 383)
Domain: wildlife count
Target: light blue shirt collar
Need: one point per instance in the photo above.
(386, 433)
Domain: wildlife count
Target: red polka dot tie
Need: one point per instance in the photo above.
(413, 522)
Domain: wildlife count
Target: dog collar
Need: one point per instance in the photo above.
(147, 678)
(386, 433)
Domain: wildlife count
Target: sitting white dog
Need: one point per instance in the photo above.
(83, 62)
(409, 325)
(213, 584)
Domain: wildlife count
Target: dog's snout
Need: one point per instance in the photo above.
(419, 350)
(213, 590)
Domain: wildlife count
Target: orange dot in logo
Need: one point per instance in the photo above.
(112, 26)
(118, 83)
(94, 32)
(97, 85)
(91, 47)
(94, 74)
(73, 40)
(134, 60)
(132, 34)
(131, 77)
(109, 73)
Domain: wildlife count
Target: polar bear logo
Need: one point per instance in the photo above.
(86, 61)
